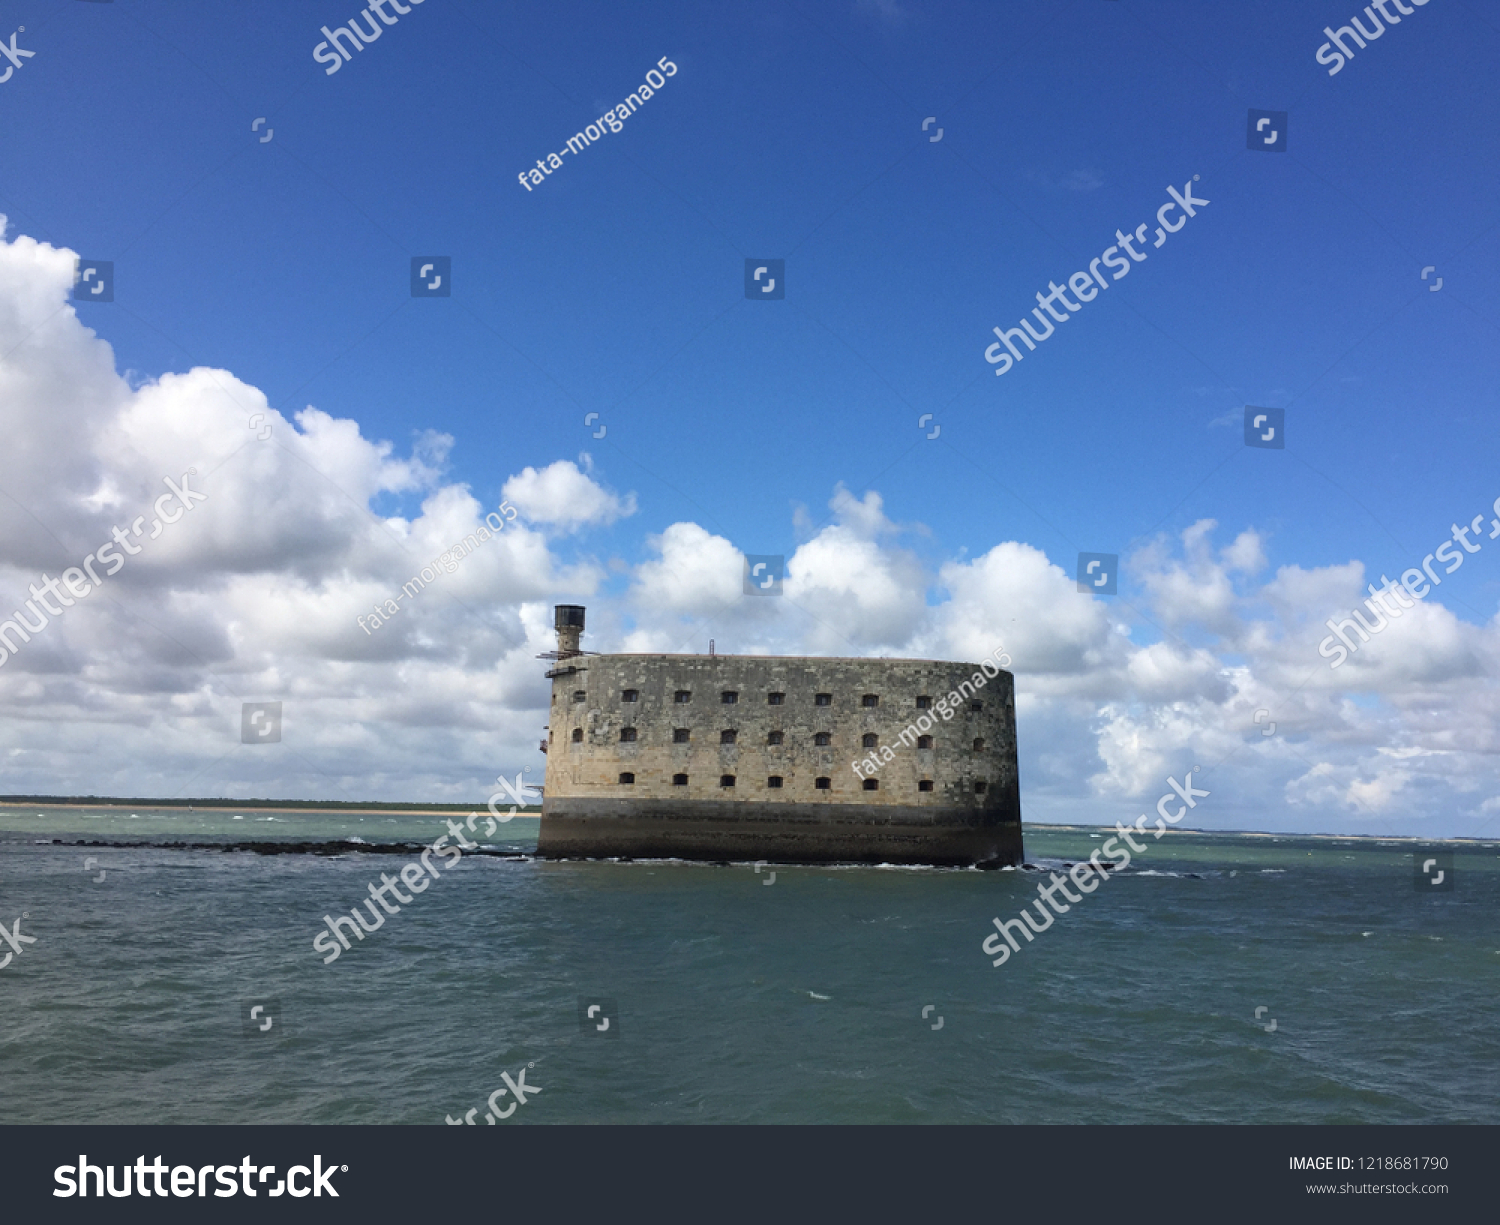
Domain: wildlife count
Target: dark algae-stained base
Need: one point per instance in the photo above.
(579, 828)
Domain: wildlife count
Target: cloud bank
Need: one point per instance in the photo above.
(254, 596)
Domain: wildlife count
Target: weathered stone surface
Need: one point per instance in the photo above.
(589, 812)
(777, 833)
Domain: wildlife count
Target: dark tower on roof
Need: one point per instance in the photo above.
(568, 621)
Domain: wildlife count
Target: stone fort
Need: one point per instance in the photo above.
(724, 758)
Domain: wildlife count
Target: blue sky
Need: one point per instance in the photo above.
(795, 132)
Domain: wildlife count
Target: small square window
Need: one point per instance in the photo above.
(924, 703)
(679, 780)
(870, 699)
(823, 784)
(579, 695)
(976, 705)
(681, 735)
(627, 735)
(578, 735)
(822, 699)
(870, 740)
(823, 738)
(627, 778)
(726, 780)
(979, 744)
(775, 699)
(775, 738)
(924, 742)
(682, 695)
(872, 784)
(729, 697)
(631, 695)
(924, 784)
(727, 736)
(979, 787)
(774, 781)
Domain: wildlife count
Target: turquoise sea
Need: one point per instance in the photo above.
(1221, 978)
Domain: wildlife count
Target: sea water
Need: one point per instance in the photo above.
(1220, 978)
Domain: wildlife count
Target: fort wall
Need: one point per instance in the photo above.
(750, 757)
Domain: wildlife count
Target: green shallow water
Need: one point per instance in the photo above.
(147, 824)
(737, 1000)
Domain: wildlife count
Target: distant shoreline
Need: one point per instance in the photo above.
(293, 806)
(110, 802)
(1261, 833)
